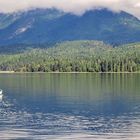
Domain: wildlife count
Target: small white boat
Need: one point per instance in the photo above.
(1, 95)
(1, 91)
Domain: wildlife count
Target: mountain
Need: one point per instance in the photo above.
(41, 26)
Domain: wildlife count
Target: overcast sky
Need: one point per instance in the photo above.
(74, 6)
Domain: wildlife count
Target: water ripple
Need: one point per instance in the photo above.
(20, 123)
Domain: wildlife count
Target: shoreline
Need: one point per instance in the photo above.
(12, 72)
(7, 72)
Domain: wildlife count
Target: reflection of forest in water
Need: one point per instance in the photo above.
(93, 85)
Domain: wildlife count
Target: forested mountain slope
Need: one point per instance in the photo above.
(75, 56)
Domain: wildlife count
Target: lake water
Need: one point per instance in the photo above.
(70, 106)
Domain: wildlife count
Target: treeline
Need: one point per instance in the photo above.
(75, 56)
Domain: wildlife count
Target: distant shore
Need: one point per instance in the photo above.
(8, 72)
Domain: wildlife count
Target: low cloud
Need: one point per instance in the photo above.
(73, 6)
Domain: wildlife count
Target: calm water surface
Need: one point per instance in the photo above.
(70, 106)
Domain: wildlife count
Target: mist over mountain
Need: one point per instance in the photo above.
(77, 7)
(41, 26)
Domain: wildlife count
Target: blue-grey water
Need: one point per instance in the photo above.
(70, 106)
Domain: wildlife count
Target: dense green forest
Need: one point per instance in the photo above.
(74, 56)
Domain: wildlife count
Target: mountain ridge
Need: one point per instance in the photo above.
(47, 26)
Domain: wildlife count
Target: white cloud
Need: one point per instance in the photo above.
(74, 6)
(137, 5)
